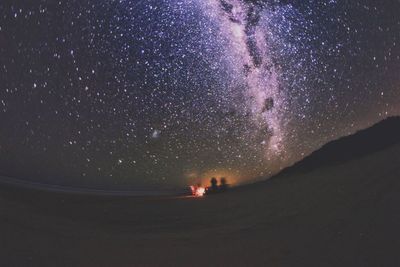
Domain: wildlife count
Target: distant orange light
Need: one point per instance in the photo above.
(198, 191)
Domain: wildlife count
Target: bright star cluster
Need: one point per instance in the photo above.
(118, 94)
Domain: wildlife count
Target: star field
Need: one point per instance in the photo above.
(117, 94)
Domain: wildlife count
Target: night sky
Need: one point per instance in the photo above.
(126, 94)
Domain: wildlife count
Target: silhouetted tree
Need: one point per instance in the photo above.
(223, 184)
(214, 184)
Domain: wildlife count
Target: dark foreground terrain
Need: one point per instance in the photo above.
(342, 214)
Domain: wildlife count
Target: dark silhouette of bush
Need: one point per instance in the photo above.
(214, 183)
(215, 188)
(223, 184)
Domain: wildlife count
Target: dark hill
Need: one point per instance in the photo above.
(380, 136)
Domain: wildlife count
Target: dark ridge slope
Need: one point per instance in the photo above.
(378, 137)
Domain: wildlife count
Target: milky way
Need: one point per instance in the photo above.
(121, 94)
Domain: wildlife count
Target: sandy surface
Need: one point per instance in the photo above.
(342, 215)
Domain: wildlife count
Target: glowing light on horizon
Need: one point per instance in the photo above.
(198, 191)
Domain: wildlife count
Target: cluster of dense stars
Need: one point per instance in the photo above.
(118, 94)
